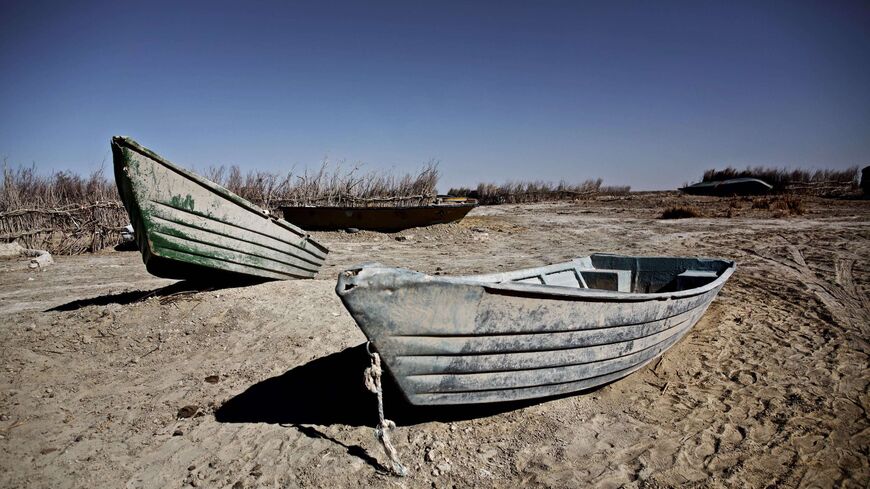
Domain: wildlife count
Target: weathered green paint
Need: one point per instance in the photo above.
(186, 203)
(189, 227)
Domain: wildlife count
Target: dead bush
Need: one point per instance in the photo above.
(761, 203)
(783, 205)
(681, 212)
(789, 205)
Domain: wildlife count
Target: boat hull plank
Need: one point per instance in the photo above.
(518, 394)
(521, 378)
(508, 360)
(532, 342)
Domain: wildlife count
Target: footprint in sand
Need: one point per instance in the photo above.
(743, 377)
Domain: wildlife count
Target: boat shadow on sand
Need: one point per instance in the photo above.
(182, 287)
(330, 390)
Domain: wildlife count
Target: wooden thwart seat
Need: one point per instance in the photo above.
(584, 278)
(695, 278)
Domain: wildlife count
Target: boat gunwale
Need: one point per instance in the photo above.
(541, 290)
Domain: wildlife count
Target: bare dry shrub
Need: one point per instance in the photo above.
(681, 212)
(782, 205)
(794, 203)
(734, 207)
(63, 213)
(761, 203)
(788, 204)
(538, 191)
(325, 187)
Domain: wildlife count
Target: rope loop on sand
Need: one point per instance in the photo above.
(373, 383)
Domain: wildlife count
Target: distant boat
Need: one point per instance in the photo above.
(724, 188)
(386, 219)
(187, 227)
(530, 333)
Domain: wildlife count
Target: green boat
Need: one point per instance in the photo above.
(190, 228)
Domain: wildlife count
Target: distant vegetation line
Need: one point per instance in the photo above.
(537, 191)
(68, 213)
(783, 179)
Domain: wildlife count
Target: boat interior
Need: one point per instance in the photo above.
(619, 274)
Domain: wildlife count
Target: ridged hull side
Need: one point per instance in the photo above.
(189, 228)
(448, 343)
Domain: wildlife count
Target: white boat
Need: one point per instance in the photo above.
(529, 333)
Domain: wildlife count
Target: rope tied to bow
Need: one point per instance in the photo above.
(373, 383)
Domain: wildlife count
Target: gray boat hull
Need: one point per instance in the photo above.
(527, 334)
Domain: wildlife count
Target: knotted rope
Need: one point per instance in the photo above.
(373, 383)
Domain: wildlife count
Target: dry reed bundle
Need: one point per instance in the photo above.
(338, 187)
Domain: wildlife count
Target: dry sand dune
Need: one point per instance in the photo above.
(769, 389)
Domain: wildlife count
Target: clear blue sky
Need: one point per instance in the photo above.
(647, 94)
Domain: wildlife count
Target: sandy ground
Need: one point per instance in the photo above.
(100, 361)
